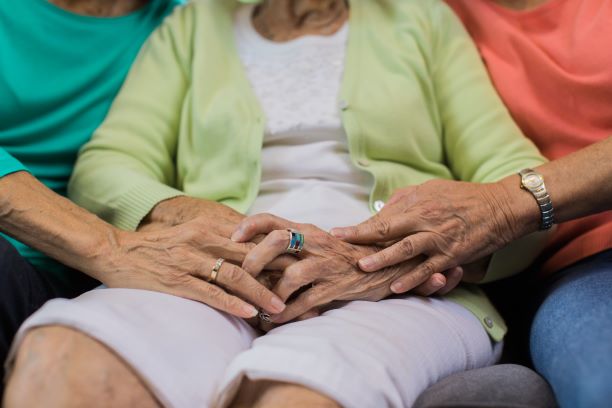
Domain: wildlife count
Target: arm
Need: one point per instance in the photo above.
(129, 165)
(482, 145)
(486, 217)
(579, 184)
(123, 173)
(173, 260)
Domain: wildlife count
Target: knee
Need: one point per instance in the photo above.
(61, 367)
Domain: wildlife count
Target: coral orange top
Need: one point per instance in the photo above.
(552, 66)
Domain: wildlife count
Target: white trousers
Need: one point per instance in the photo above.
(363, 354)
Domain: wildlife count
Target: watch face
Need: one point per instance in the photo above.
(532, 181)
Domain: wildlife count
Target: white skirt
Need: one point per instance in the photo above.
(364, 354)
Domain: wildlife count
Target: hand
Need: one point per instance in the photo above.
(325, 262)
(448, 223)
(179, 261)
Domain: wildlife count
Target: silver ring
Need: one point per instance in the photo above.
(265, 317)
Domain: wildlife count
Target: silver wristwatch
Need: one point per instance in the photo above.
(534, 183)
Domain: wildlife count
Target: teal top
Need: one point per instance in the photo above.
(59, 73)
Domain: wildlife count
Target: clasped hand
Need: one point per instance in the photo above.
(326, 270)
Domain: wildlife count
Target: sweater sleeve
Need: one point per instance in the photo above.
(9, 164)
(482, 142)
(129, 165)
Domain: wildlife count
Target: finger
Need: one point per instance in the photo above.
(382, 227)
(408, 248)
(308, 315)
(267, 326)
(239, 282)
(453, 279)
(214, 296)
(295, 277)
(431, 285)
(228, 249)
(282, 262)
(259, 224)
(420, 274)
(311, 299)
(273, 245)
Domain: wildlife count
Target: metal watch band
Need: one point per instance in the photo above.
(533, 182)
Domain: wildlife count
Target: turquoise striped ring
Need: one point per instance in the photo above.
(296, 242)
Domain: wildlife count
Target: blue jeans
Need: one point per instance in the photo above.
(571, 336)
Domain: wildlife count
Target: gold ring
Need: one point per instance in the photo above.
(215, 270)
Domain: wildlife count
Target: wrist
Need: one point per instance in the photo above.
(516, 212)
(518, 206)
(100, 256)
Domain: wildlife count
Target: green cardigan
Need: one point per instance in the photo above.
(416, 105)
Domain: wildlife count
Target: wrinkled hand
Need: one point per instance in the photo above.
(178, 260)
(326, 264)
(445, 223)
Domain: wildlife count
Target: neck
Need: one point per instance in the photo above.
(100, 8)
(283, 20)
(522, 5)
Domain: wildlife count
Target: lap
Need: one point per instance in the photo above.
(183, 348)
(179, 347)
(368, 354)
(571, 336)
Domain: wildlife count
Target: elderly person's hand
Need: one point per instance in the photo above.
(444, 223)
(176, 249)
(326, 264)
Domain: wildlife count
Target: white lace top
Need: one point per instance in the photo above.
(307, 174)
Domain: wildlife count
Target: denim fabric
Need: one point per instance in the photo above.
(571, 336)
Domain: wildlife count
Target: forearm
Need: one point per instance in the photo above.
(579, 185)
(52, 224)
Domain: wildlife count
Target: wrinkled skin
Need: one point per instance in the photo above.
(444, 223)
(327, 270)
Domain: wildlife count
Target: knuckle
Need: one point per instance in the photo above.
(428, 268)
(308, 227)
(218, 298)
(279, 237)
(407, 247)
(383, 257)
(381, 227)
(295, 274)
(265, 217)
(233, 274)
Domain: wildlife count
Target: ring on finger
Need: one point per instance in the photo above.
(215, 271)
(265, 317)
(296, 242)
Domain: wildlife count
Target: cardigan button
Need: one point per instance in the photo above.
(363, 162)
(379, 205)
(343, 105)
(488, 322)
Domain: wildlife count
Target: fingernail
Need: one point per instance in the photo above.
(438, 283)
(250, 311)
(237, 236)
(337, 232)
(277, 305)
(366, 263)
(397, 288)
